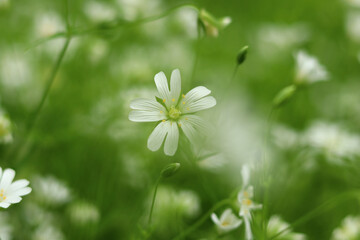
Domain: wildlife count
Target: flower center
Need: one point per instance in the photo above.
(2, 196)
(174, 113)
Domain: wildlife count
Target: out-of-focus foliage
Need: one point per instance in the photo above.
(90, 169)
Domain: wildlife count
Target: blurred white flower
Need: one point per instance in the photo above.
(332, 139)
(276, 225)
(83, 213)
(285, 137)
(135, 9)
(14, 69)
(353, 26)
(5, 228)
(227, 221)
(308, 69)
(246, 203)
(98, 11)
(98, 50)
(11, 192)
(5, 129)
(353, 3)
(4, 4)
(35, 214)
(187, 20)
(275, 39)
(175, 111)
(349, 229)
(47, 231)
(213, 162)
(211, 24)
(185, 202)
(47, 24)
(50, 190)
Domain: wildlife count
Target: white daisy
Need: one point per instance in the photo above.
(175, 111)
(308, 69)
(11, 192)
(227, 221)
(349, 229)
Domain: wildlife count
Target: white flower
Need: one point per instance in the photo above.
(11, 192)
(332, 139)
(99, 11)
(285, 137)
(47, 24)
(5, 129)
(4, 4)
(134, 9)
(51, 190)
(227, 222)
(5, 228)
(47, 231)
(276, 225)
(246, 203)
(353, 3)
(176, 111)
(349, 229)
(83, 213)
(308, 69)
(353, 26)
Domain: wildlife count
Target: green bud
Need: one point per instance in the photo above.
(212, 25)
(284, 95)
(170, 170)
(241, 57)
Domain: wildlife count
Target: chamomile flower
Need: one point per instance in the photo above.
(349, 229)
(227, 221)
(5, 129)
(308, 69)
(11, 192)
(175, 111)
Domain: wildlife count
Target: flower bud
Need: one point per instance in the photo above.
(284, 95)
(212, 25)
(170, 170)
(241, 57)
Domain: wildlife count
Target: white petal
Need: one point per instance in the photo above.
(163, 87)
(172, 139)
(156, 138)
(7, 178)
(146, 116)
(215, 219)
(20, 192)
(1, 172)
(13, 199)
(225, 214)
(4, 204)
(193, 126)
(146, 105)
(201, 104)
(196, 93)
(245, 173)
(175, 85)
(17, 185)
(248, 232)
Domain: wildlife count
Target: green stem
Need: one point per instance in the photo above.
(320, 209)
(114, 24)
(199, 222)
(45, 94)
(153, 199)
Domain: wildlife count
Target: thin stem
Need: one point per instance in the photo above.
(266, 180)
(114, 24)
(153, 199)
(320, 209)
(199, 222)
(49, 82)
(197, 52)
